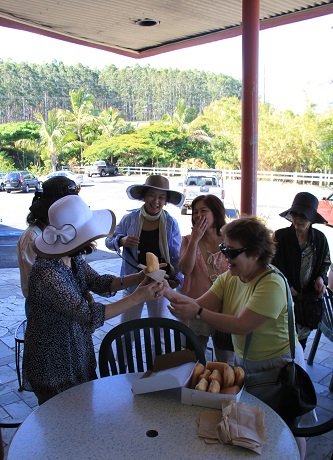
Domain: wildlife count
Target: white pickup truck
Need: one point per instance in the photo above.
(201, 182)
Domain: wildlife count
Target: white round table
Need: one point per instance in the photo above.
(103, 420)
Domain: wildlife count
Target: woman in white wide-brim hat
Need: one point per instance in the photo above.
(149, 229)
(58, 347)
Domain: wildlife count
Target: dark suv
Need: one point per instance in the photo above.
(2, 181)
(21, 180)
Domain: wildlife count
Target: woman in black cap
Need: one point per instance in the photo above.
(37, 219)
(304, 258)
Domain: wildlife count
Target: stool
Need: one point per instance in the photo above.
(19, 339)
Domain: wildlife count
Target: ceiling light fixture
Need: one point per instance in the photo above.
(147, 22)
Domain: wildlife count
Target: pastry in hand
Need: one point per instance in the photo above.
(152, 262)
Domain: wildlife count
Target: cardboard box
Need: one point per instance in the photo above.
(172, 370)
(205, 399)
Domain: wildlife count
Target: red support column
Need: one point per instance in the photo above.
(250, 51)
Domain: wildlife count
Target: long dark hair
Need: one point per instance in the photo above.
(216, 206)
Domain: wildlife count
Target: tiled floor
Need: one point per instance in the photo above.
(15, 404)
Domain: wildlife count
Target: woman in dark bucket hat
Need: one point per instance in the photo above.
(305, 204)
(149, 229)
(303, 255)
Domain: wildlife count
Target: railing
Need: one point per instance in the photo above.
(321, 179)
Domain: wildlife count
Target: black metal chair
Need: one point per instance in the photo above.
(325, 327)
(314, 430)
(135, 350)
(7, 423)
(19, 341)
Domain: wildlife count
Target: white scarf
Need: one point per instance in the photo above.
(163, 244)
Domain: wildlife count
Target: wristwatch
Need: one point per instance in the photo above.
(198, 315)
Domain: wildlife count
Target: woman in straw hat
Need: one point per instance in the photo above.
(58, 348)
(303, 255)
(149, 229)
(37, 219)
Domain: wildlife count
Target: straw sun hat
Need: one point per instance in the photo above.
(72, 226)
(136, 192)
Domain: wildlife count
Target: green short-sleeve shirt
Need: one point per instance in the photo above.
(269, 299)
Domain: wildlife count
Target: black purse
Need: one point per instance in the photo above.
(308, 308)
(289, 391)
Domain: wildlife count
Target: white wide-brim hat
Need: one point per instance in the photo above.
(72, 226)
(136, 192)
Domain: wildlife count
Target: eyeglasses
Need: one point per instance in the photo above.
(231, 253)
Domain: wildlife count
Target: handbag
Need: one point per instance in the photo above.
(308, 308)
(289, 391)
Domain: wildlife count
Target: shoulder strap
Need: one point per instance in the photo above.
(291, 326)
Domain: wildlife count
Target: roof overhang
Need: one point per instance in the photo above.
(111, 26)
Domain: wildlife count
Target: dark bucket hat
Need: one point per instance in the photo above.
(307, 204)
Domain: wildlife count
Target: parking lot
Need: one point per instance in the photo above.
(110, 192)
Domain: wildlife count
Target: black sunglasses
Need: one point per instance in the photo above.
(231, 253)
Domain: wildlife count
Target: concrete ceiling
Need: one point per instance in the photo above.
(111, 24)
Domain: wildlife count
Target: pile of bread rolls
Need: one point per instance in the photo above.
(217, 377)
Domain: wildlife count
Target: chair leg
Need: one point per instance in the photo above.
(314, 347)
(17, 361)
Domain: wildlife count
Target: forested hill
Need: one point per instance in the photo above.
(140, 93)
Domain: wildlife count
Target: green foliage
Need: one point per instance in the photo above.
(6, 163)
(191, 117)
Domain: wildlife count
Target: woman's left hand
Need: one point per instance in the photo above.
(320, 286)
(149, 289)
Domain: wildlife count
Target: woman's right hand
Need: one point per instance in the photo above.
(148, 290)
(199, 228)
(129, 241)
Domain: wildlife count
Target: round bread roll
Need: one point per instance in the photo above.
(202, 385)
(199, 368)
(216, 375)
(231, 390)
(239, 376)
(228, 377)
(214, 387)
(211, 365)
(205, 374)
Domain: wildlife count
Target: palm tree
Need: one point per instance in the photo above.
(82, 114)
(54, 135)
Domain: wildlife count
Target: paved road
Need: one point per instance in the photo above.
(110, 192)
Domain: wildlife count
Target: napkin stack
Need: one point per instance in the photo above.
(241, 425)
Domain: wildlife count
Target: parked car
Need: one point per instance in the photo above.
(102, 168)
(201, 182)
(21, 180)
(2, 181)
(325, 208)
(77, 178)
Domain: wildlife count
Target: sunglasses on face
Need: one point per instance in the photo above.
(231, 253)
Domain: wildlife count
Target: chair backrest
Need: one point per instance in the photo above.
(132, 346)
(327, 320)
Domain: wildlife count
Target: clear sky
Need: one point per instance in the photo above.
(295, 61)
